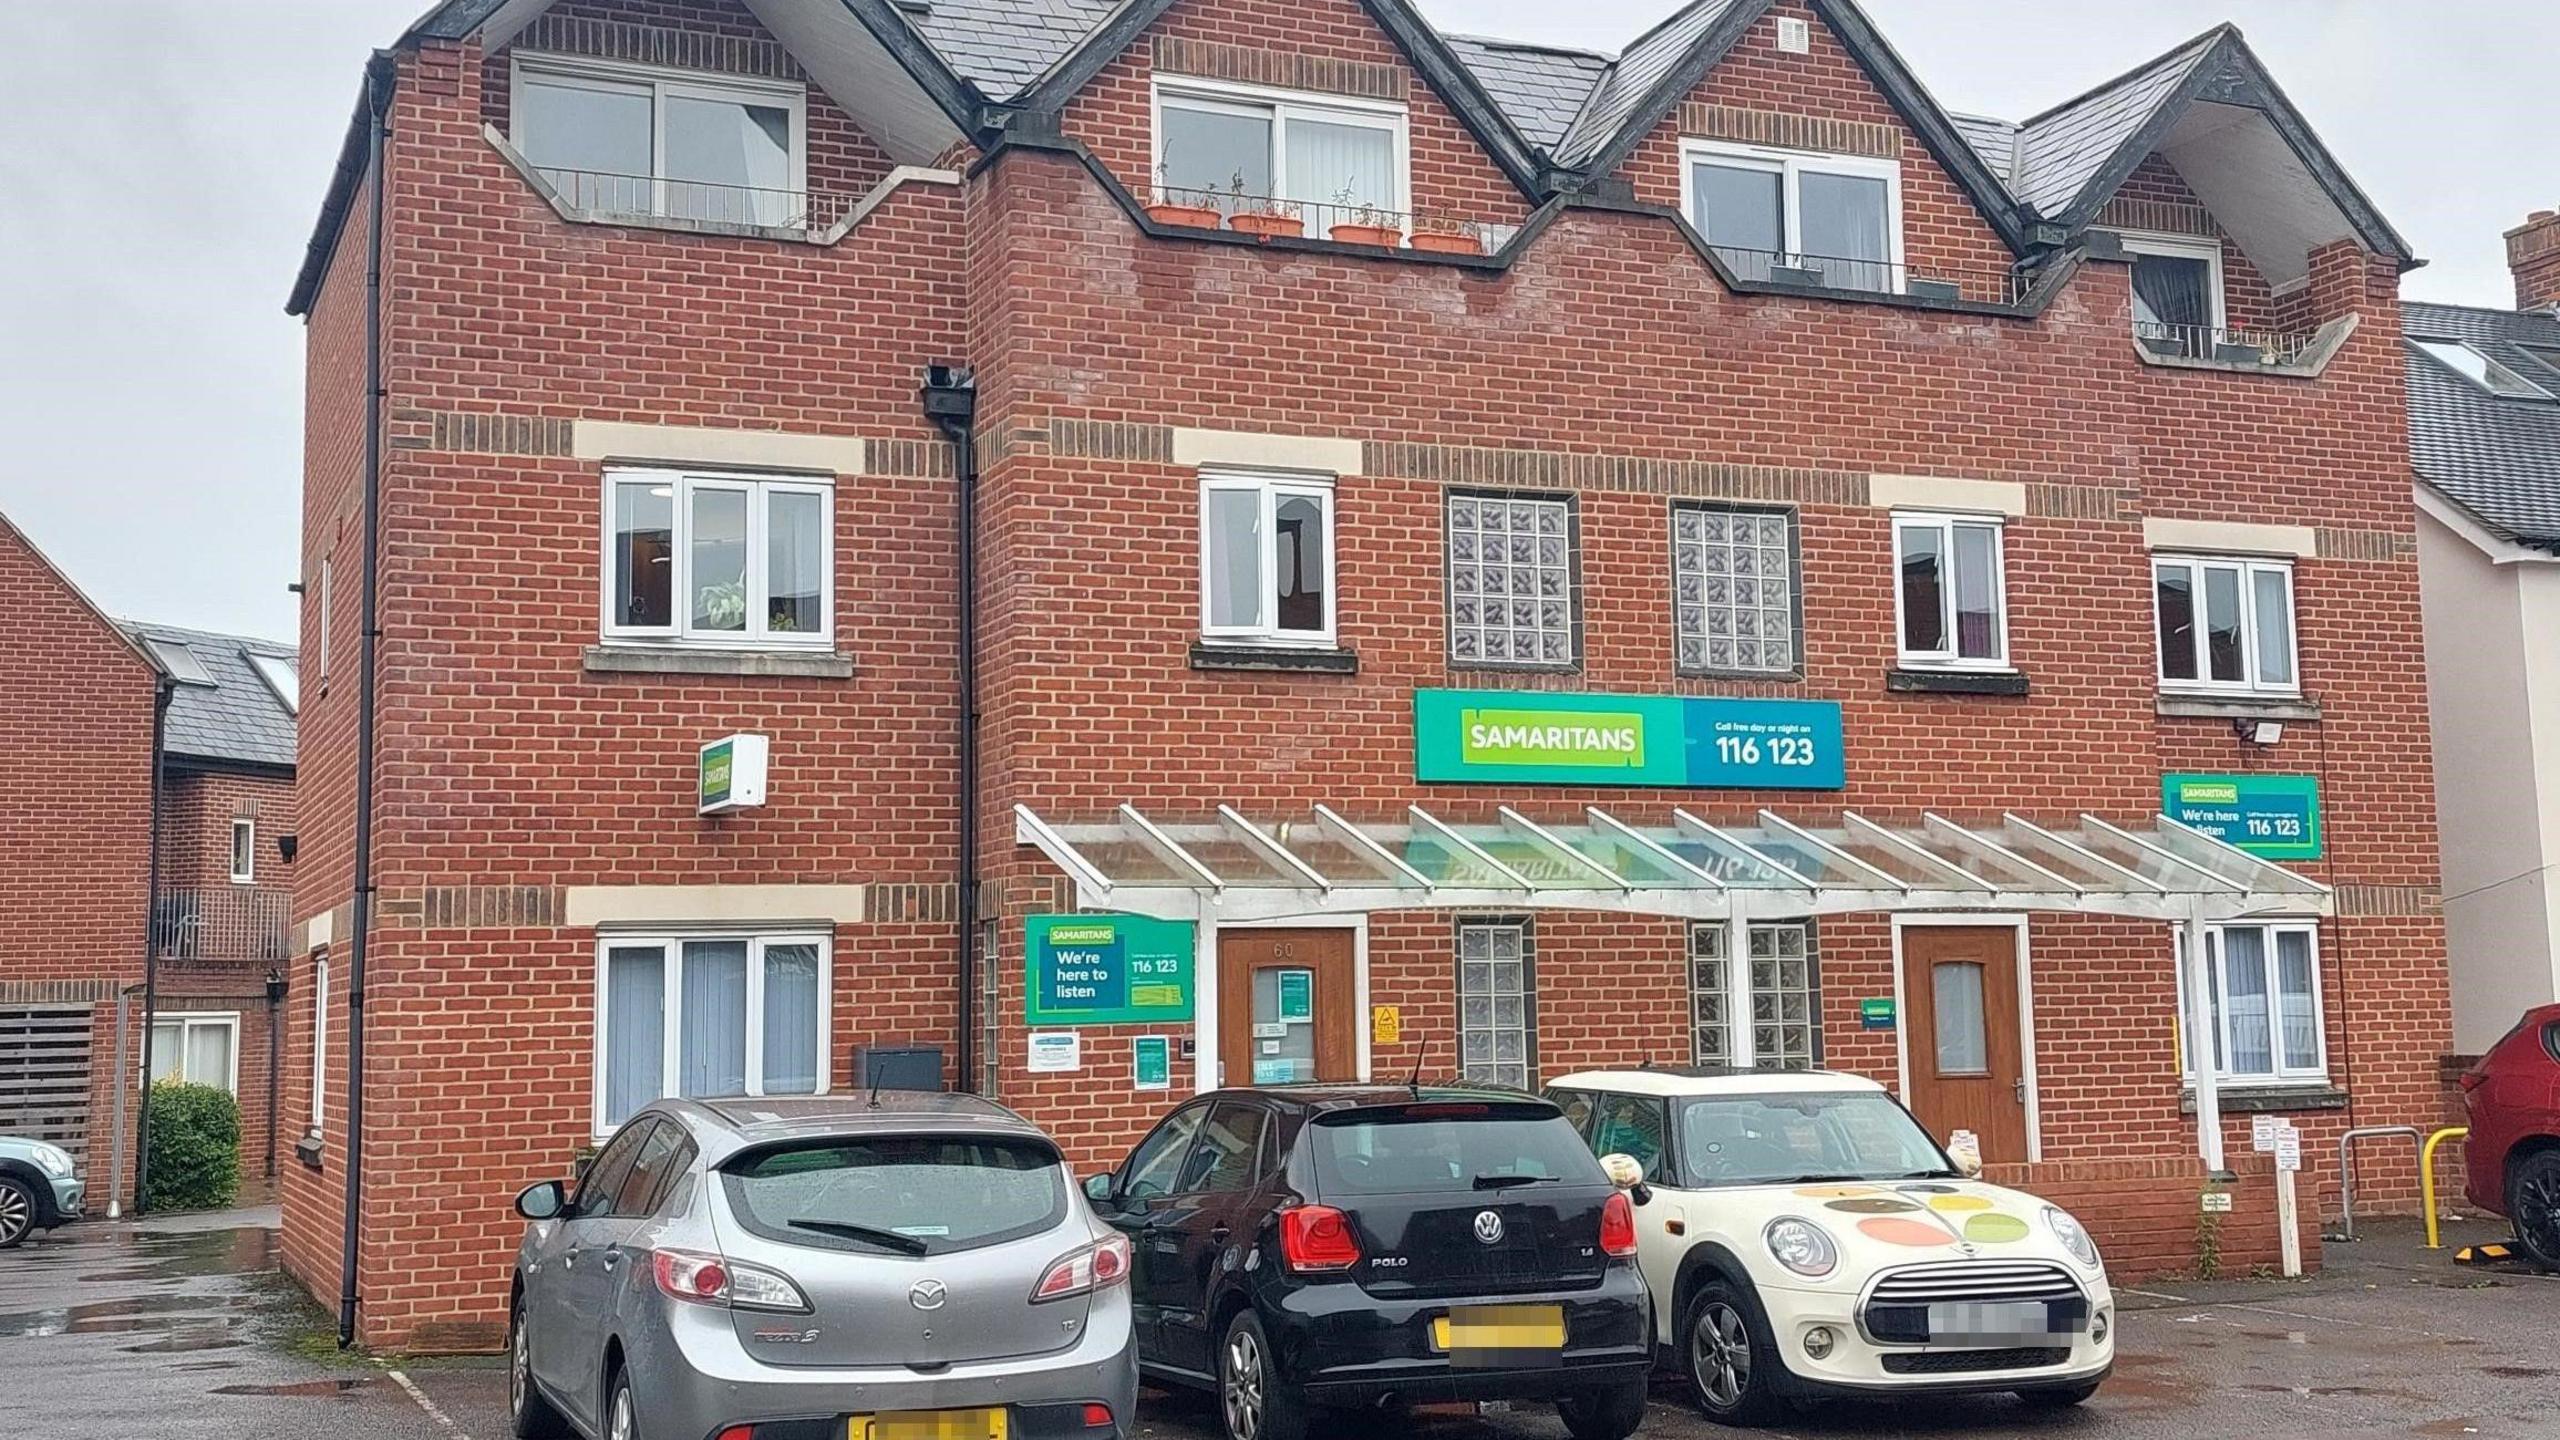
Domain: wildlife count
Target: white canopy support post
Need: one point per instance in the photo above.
(1205, 999)
(1741, 1037)
(1360, 840)
(1547, 840)
(1449, 835)
(1638, 840)
(1277, 852)
(2201, 1033)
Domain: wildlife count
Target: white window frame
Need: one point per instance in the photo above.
(2283, 1074)
(187, 1020)
(1793, 166)
(2494, 370)
(1234, 98)
(2248, 568)
(1272, 487)
(670, 945)
(321, 631)
(1951, 658)
(661, 83)
(319, 1040)
(2185, 247)
(680, 632)
(244, 857)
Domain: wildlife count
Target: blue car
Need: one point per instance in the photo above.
(38, 1190)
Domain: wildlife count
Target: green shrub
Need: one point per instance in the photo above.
(195, 1148)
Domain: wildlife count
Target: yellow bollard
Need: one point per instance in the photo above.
(2427, 1179)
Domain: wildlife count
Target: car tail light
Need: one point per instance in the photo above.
(1618, 1226)
(1097, 1417)
(1317, 1238)
(700, 1279)
(739, 1432)
(1098, 1266)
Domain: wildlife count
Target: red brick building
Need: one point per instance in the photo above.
(1412, 445)
(76, 910)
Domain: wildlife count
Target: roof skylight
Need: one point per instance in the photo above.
(2475, 366)
(180, 662)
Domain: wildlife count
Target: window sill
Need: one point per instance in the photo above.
(2260, 1098)
(1282, 659)
(652, 660)
(2191, 706)
(308, 1150)
(1905, 680)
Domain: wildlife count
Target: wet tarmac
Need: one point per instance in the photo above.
(185, 1332)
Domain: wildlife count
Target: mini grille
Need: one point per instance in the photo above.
(1950, 1362)
(1975, 1281)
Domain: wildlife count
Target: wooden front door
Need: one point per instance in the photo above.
(1960, 998)
(1286, 1002)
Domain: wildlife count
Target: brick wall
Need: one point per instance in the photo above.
(2148, 1218)
(2533, 253)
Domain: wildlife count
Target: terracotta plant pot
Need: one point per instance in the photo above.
(1382, 235)
(1443, 243)
(1195, 217)
(1265, 223)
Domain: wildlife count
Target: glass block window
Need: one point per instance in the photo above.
(1733, 576)
(1511, 564)
(1497, 1017)
(1785, 991)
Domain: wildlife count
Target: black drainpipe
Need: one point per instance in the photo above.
(162, 694)
(379, 77)
(951, 402)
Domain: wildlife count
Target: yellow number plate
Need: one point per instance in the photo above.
(1500, 1327)
(930, 1425)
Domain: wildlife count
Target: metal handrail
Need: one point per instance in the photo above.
(2427, 1179)
(656, 197)
(2347, 1169)
(2210, 342)
(1319, 219)
(1982, 284)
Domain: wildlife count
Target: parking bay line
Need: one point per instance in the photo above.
(434, 1411)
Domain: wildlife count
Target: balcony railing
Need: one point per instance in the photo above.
(1342, 220)
(222, 923)
(2225, 346)
(646, 197)
(1984, 285)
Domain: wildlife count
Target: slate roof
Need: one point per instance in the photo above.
(1542, 88)
(2061, 150)
(2496, 457)
(237, 719)
(1996, 141)
(1638, 69)
(1001, 46)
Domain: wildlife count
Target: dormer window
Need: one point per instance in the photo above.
(626, 140)
(1322, 160)
(1786, 215)
(2475, 366)
(2177, 293)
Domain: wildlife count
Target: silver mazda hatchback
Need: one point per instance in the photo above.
(903, 1266)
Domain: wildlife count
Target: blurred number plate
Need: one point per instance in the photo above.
(930, 1425)
(1499, 1327)
(2001, 1321)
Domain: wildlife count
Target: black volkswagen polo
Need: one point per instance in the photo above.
(1381, 1246)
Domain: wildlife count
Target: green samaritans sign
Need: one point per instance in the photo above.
(1107, 970)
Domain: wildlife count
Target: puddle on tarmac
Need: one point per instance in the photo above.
(308, 1388)
(2456, 1425)
(133, 1312)
(189, 1340)
(2372, 1392)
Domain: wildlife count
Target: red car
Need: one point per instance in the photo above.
(2513, 1155)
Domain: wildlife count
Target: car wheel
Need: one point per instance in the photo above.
(528, 1413)
(2061, 1397)
(2533, 1198)
(1610, 1414)
(17, 1211)
(1254, 1400)
(621, 1416)
(1726, 1356)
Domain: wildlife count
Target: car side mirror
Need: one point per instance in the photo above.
(546, 1201)
(1627, 1173)
(1097, 1188)
(1965, 1148)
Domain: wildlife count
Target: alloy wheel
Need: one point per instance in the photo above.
(1720, 1355)
(519, 1365)
(624, 1425)
(17, 1214)
(2537, 1208)
(1243, 1396)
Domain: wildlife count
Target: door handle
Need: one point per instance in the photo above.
(2019, 1086)
(613, 1257)
(1218, 1234)
(570, 1260)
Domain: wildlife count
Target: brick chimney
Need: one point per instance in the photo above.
(2533, 253)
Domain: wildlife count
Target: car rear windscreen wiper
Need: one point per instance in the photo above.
(1506, 1182)
(885, 1239)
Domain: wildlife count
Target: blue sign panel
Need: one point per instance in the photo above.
(1519, 737)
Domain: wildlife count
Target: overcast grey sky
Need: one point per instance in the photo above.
(162, 161)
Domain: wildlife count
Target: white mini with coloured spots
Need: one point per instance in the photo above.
(1805, 1238)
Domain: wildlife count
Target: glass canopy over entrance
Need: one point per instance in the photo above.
(1233, 867)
